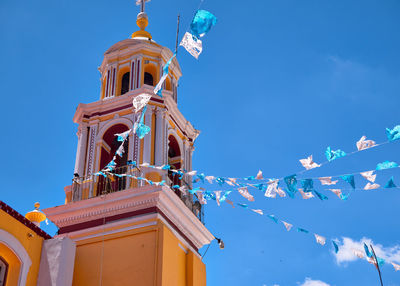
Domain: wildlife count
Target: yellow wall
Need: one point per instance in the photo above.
(32, 245)
(144, 256)
(127, 258)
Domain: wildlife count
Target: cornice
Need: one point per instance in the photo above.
(132, 47)
(163, 198)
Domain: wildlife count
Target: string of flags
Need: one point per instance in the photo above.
(320, 239)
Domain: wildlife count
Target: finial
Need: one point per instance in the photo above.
(36, 216)
(142, 21)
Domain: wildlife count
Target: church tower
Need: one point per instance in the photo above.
(129, 231)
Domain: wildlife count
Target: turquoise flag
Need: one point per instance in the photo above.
(202, 23)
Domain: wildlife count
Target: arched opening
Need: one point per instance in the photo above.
(148, 79)
(125, 83)
(168, 84)
(174, 160)
(3, 271)
(150, 74)
(13, 264)
(109, 145)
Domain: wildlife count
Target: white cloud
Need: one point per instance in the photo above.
(311, 282)
(348, 246)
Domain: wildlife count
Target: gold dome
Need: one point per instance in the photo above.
(142, 22)
(36, 216)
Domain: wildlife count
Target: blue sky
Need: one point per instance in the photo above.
(277, 81)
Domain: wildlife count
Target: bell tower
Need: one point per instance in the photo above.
(129, 231)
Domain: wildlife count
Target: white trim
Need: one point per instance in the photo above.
(14, 244)
(110, 123)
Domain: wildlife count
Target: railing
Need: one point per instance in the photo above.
(96, 185)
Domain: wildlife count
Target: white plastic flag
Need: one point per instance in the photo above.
(308, 163)
(305, 195)
(287, 225)
(192, 44)
(271, 189)
(160, 83)
(327, 181)
(191, 173)
(218, 197)
(396, 266)
(369, 175)
(370, 186)
(202, 200)
(281, 192)
(259, 175)
(364, 144)
(209, 179)
(320, 239)
(258, 211)
(245, 193)
(337, 192)
(230, 202)
(140, 101)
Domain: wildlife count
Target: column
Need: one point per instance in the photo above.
(91, 149)
(81, 148)
(160, 138)
(146, 141)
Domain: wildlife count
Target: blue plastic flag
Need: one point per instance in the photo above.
(158, 88)
(131, 163)
(308, 185)
(381, 261)
(162, 183)
(273, 218)
(322, 197)
(220, 181)
(344, 197)
(208, 195)
(367, 252)
(334, 154)
(259, 186)
(393, 134)
(390, 184)
(193, 191)
(202, 23)
(291, 183)
(386, 165)
(224, 196)
(242, 205)
(140, 128)
(335, 246)
(176, 186)
(349, 179)
(249, 178)
(100, 173)
(166, 167)
(299, 229)
(201, 177)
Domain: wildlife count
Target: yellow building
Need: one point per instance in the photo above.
(113, 229)
(20, 248)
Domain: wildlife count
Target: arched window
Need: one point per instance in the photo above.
(125, 83)
(3, 271)
(174, 160)
(148, 79)
(109, 146)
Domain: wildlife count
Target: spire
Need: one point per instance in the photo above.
(142, 21)
(36, 216)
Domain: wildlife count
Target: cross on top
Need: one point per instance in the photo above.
(141, 3)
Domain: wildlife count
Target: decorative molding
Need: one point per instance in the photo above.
(131, 200)
(23, 256)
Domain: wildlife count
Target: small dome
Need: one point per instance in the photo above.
(36, 216)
